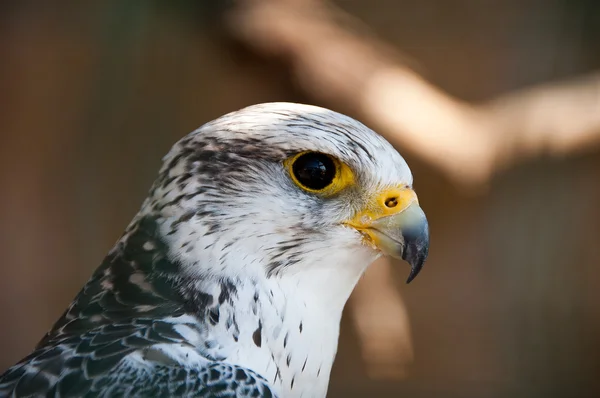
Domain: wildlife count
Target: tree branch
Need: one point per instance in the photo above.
(336, 60)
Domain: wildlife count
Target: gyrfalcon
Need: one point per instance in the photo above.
(231, 279)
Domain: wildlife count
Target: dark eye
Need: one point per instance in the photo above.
(314, 170)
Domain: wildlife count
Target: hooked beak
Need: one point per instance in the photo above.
(397, 226)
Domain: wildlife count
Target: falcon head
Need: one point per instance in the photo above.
(283, 189)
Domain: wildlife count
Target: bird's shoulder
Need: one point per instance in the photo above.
(141, 358)
(136, 281)
(132, 331)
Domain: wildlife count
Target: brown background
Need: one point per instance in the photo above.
(93, 94)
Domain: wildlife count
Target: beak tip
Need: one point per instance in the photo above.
(416, 250)
(416, 265)
(413, 274)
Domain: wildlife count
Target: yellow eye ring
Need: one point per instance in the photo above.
(319, 173)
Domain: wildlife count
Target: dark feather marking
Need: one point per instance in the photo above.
(257, 335)
(228, 291)
(210, 344)
(228, 244)
(278, 372)
(213, 316)
(184, 218)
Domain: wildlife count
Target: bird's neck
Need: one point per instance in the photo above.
(283, 325)
(291, 337)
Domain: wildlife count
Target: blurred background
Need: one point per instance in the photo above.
(495, 104)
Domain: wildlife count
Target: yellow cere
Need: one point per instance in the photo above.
(344, 177)
(385, 202)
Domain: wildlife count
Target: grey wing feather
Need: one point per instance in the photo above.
(93, 365)
(51, 377)
(215, 380)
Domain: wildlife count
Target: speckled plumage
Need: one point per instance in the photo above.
(230, 281)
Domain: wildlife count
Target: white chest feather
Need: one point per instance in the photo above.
(292, 345)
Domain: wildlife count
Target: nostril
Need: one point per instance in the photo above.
(391, 202)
